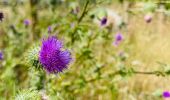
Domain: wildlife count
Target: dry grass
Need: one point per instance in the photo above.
(150, 43)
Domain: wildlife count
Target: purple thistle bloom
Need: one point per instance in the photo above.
(121, 53)
(27, 22)
(148, 18)
(1, 16)
(103, 21)
(1, 56)
(72, 25)
(118, 39)
(52, 57)
(115, 43)
(49, 29)
(166, 94)
(75, 10)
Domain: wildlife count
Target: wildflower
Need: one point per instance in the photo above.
(1, 16)
(118, 39)
(72, 25)
(121, 54)
(1, 56)
(75, 10)
(148, 18)
(49, 29)
(27, 22)
(103, 21)
(166, 94)
(52, 57)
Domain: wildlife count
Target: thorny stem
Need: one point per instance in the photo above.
(34, 16)
(158, 73)
(119, 72)
(79, 20)
(145, 73)
(84, 12)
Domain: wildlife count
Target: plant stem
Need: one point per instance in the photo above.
(149, 73)
(79, 20)
(84, 12)
(135, 72)
(158, 73)
(34, 16)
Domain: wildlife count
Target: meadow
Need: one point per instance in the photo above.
(84, 50)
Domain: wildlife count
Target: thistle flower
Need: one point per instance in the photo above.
(103, 21)
(32, 57)
(75, 10)
(1, 16)
(166, 94)
(72, 25)
(118, 39)
(52, 57)
(27, 22)
(49, 29)
(148, 18)
(1, 56)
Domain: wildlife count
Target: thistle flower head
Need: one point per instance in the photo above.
(52, 57)
(75, 11)
(166, 94)
(49, 29)
(118, 39)
(1, 16)
(1, 56)
(148, 18)
(72, 25)
(32, 57)
(27, 22)
(103, 21)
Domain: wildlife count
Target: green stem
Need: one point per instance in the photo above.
(79, 20)
(148, 73)
(135, 72)
(34, 16)
(158, 73)
(84, 12)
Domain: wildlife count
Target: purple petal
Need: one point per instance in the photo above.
(103, 21)
(1, 56)
(52, 57)
(148, 18)
(166, 94)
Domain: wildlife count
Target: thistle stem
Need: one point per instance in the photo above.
(135, 72)
(79, 20)
(84, 12)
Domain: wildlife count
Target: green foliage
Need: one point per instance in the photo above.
(32, 57)
(29, 94)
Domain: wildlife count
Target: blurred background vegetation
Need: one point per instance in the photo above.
(136, 69)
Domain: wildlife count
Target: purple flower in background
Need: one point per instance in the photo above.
(1, 56)
(27, 22)
(103, 21)
(72, 25)
(75, 10)
(49, 29)
(1, 16)
(148, 18)
(52, 56)
(118, 39)
(121, 53)
(166, 94)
